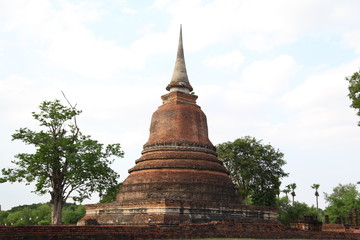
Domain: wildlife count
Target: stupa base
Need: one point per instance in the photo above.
(174, 212)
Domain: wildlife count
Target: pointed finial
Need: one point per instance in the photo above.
(180, 81)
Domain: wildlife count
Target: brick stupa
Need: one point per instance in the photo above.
(178, 179)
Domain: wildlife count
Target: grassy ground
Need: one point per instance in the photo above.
(242, 239)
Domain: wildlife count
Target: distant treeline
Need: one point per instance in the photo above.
(40, 214)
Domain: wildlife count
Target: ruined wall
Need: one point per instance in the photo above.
(206, 230)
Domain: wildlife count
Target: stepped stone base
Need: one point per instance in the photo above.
(169, 212)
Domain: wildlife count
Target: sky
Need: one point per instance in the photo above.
(274, 70)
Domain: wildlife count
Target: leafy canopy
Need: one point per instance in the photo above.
(66, 162)
(255, 168)
(289, 212)
(316, 187)
(111, 194)
(39, 214)
(342, 201)
(354, 91)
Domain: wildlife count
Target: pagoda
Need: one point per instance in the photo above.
(178, 179)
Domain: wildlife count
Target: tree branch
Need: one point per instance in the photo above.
(75, 122)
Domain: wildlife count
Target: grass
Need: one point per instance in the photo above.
(244, 239)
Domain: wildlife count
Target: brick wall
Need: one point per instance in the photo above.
(206, 230)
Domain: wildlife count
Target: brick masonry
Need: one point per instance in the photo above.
(178, 179)
(182, 231)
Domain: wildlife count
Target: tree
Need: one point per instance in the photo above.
(255, 168)
(3, 217)
(111, 194)
(39, 214)
(73, 213)
(293, 194)
(65, 162)
(316, 187)
(342, 201)
(287, 190)
(289, 212)
(354, 91)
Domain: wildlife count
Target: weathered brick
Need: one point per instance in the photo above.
(182, 231)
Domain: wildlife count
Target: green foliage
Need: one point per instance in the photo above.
(111, 193)
(341, 201)
(287, 190)
(292, 187)
(354, 91)
(44, 223)
(72, 213)
(3, 217)
(316, 187)
(39, 214)
(25, 215)
(43, 212)
(290, 212)
(255, 168)
(66, 162)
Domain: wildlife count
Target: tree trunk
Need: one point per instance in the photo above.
(56, 212)
(56, 208)
(57, 200)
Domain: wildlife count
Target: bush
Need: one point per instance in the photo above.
(290, 212)
(72, 214)
(39, 214)
(3, 217)
(44, 223)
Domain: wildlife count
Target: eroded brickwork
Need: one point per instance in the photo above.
(178, 179)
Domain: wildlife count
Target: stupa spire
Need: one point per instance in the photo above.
(180, 81)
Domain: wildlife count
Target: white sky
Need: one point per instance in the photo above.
(270, 69)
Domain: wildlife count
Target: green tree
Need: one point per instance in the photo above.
(111, 194)
(342, 201)
(42, 213)
(72, 213)
(289, 212)
(287, 190)
(316, 187)
(65, 162)
(21, 218)
(3, 217)
(292, 187)
(255, 168)
(354, 91)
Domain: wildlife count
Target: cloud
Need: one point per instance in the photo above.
(16, 96)
(148, 28)
(65, 39)
(262, 104)
(81, 52)
(231, 60)
(129, 10)
(352, 39)
(319, 108)
(269, 76)
(62, 35)
(256, 86)
(221, 20)
(248, 105)
(259, 25)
